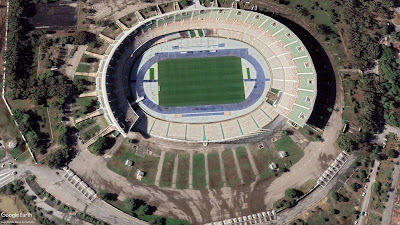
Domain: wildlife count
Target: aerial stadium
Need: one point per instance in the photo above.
(206, 75)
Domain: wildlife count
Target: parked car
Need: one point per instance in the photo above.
(363, 194)
(364, 213)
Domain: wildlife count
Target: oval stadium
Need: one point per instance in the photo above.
(206, 75)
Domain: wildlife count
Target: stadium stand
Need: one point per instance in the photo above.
(292, 72)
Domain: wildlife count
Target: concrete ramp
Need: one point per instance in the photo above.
(95, 55)
(121, 25)
(159, 12)
(94, 74)
(176, 6)
(106, 38)
(103, 133)
(88, 116)
(139, 16)
(88, 94)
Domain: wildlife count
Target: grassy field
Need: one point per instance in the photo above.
(167, 170)
(147, 164)
(214, 170)
(245, 166)
(294, 152)
(262, 161)
(151, 73)
(182, 177)
(199, 171)
(83, 68)
(232, 178)
(200, 81)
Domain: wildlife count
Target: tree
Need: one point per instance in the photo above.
(83, 37)
(143, 210)
(393, 153)
(345, 142)
(292, 193)
(157, 221)
(99, 145)
(129, 205)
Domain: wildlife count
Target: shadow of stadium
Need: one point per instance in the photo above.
(326, 81)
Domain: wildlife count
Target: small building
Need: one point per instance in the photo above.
(273, 166)
(128, 162)
(139, 174)
(283, 154)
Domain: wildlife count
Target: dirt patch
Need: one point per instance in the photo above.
(182, 178)
(245, 166)
(55, 16)
(232, 178)
(214, 170)
(167, 170)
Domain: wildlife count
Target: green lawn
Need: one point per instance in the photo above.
(2, 154)
(248, 73)
(295, 153)
(167, 170)
(151, 73)
(192, 33)
(83, 68)
(274, 90)
(148, 164)
(200, 81)
(232, 178)
(182, 177)
(199, 171)
(201, 33)
(214, 170)
(245, 166)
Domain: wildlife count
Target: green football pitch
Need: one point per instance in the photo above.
(200, 81)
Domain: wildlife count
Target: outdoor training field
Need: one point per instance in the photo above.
(200, 81)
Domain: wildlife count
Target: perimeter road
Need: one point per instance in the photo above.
(367, 197)
(387, 214)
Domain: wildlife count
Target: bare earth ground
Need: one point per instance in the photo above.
(211, 205)
(115, 9)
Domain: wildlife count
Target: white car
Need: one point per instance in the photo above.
(363, 194)
(364, 213)
(365, 187)
(356, 222)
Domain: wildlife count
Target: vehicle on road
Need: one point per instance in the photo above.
(363, 194)
(364, 213)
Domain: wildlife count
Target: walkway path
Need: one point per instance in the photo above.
(207, 172)
(253, 164)
(387, 214)
(56, 185)
(221, 165)
(174, 175)
(191, 171)
(367, 197)
(239, 172)
(42, 204)
(159, 168)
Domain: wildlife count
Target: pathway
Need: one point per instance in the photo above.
(367, 197)
(253, 164)
(191, 171)
(237, 166)
(207, 172)
(42, 204)
(221, 165)
(71, 64)
(159, 168)
(174, 175)
(387, 214)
